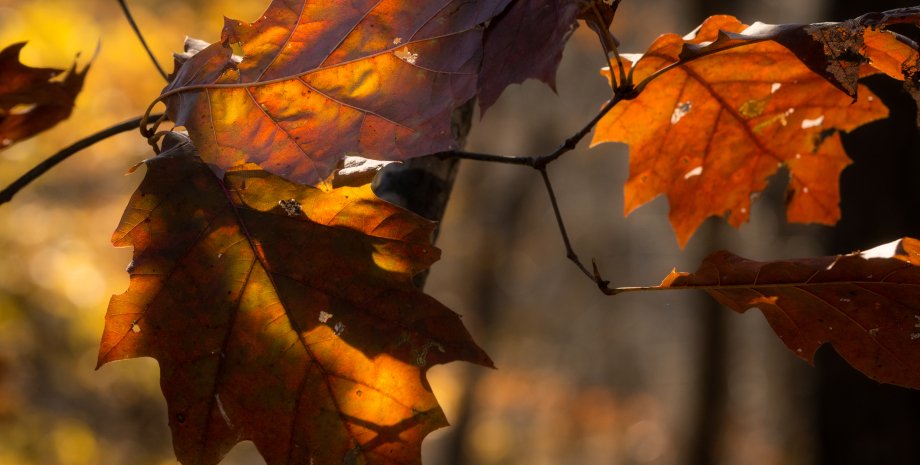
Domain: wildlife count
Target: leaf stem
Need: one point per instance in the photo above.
(7, 194)
(569, 252)
(137, 31)
(604, 41)
(486, 157)
(572, 142)
(538, 162)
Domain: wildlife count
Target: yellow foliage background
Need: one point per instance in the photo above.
(58, 268)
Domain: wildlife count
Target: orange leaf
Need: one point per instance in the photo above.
(323, 79)
(282, 314)
(838, 51)
(867, 305)
(710, 131)
(888, 54)
(32, 100)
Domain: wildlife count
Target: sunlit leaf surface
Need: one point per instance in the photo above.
(324, 79)
(282, 314)
(709, 132)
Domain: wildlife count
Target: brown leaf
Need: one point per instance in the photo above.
(598, 15)
(709, 132)
(525, 41)
(324, 78)
(33, 100)
(282, 314)
(867, 305)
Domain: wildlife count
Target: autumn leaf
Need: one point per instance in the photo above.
(33, 100)
(889, 54)
(324, 79)
(838, 51)
(598, 15)
(710, 131)
(866, 304)
(282, 314)
(526, 41)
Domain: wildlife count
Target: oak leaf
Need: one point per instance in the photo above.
(525, 41)
(282, 314)
(865, 304)
(708, 132)
(320, 80)
(838, 51)
(33, 100)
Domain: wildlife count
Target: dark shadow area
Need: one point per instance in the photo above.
(860, 421)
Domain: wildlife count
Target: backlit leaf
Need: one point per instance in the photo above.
(867, 305)
(838, 50)
(322, 79)
(282, 314)
(33, 100)
(709, 132)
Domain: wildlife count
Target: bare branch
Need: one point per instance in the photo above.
(7, 194)
(137, 31)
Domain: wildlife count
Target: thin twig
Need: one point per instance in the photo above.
(137, 31)
(569, 251)
(573, 141)
(593, 275)
(606, 49)
(7, 194)
(538, 161)
(486, 157)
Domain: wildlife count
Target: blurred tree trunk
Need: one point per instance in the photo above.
(708, 415)
(423, 185)
(503, 219)
(860, 421)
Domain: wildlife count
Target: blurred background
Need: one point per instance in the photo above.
(664, 379)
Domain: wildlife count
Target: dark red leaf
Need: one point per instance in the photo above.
(282, 314)
(524, 42)
(867, 305)
(33, 100)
